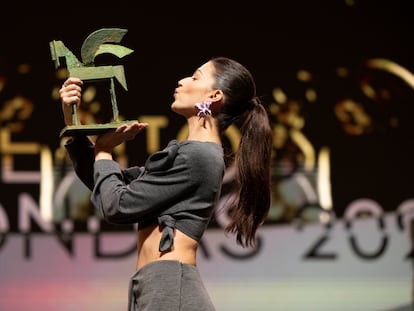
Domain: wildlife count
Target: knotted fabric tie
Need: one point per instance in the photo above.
(167, 223)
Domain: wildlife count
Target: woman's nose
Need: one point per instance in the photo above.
(180, 82)
(183, 80)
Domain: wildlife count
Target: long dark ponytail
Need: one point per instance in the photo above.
(251, 202)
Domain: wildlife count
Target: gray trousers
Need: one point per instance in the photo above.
(168, 285)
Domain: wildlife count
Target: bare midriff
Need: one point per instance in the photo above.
(183, 250)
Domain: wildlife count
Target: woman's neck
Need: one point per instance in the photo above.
(203, 130)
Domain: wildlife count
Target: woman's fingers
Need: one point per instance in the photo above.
(71, 91)
(129, 131)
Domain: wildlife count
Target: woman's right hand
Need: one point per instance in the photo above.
(70, 94)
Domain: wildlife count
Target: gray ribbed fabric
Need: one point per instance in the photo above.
(167, 223)
(177, 188)
(168, 285)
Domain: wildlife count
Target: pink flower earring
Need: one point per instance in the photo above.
(204, 110)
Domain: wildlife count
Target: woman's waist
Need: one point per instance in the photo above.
(183, 248)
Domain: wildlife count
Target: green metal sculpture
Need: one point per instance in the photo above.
(99, 42)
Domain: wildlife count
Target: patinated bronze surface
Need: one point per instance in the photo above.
(99, 42)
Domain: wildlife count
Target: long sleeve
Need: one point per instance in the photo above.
(183, 176)
(82, 155)
(177, 188)
(165, 181)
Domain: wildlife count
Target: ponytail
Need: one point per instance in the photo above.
(250, 203)
(252, 185)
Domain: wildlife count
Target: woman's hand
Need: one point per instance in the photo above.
(70, 94)
(107, 141)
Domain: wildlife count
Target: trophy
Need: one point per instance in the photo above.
(99, 42)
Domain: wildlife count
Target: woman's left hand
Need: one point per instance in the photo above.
(107, 141)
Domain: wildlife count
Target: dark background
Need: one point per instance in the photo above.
(274, 39)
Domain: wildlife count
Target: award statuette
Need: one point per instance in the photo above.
(99, 42)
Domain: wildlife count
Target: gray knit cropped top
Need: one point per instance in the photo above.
(177, 187)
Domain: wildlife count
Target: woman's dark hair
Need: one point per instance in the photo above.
(250, 206)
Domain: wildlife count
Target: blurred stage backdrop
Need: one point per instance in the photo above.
(338, 79)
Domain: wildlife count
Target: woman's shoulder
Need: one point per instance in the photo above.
(200, 149)
(203, 158)
(187, 152)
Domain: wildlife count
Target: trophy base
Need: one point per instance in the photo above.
(91, 129)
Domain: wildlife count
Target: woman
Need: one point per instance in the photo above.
(173, 196)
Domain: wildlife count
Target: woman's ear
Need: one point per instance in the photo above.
(216, 96)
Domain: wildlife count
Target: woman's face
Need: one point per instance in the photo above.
(194, 89)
